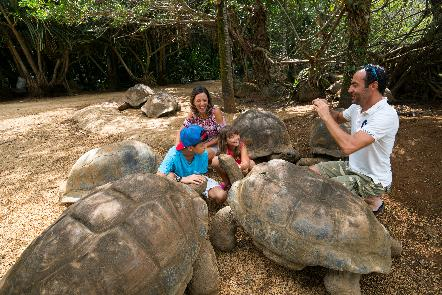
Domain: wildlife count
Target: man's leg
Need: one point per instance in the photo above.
(331, 169)
(358, 184)
(374, 193)
(363, 186)
(374, 202)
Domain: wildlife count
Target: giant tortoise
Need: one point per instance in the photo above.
(297, 218)
(160, 105)
(135, 97)
(104, 164)
(321, 141)
(142, 234)
(266, 136)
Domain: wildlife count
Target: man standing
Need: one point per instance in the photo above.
(374, 124)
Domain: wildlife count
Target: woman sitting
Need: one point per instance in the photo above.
(203, 113)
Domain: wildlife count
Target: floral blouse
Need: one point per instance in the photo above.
(210, 125)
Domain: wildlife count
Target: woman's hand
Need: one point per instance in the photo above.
(193, 179)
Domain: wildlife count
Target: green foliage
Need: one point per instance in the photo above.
(297, 29)
(397, 22)
(197, 62)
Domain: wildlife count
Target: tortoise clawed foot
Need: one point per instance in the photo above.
(342, 283)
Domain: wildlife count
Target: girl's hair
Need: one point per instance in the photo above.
(225, 133)
(197, 90)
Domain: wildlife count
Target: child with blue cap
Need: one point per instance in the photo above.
(188, 161)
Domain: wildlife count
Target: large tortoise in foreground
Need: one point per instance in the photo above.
(297, 218)
(143, 234)
(266, 136)
(105, 164)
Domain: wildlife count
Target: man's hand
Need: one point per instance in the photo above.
(193, 179)
(321, 107)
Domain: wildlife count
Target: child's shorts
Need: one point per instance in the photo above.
(211, 183)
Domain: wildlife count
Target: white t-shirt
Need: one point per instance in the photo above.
(381, 122)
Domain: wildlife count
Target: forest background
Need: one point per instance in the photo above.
(267, 48)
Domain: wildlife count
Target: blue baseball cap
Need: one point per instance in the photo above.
(191, 136)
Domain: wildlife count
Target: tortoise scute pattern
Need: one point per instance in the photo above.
(264, 133)
(137, 95)
(305, 219)
(107, 163)
(322, 143)
(140, 235)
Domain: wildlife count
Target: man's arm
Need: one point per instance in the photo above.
(347, 143)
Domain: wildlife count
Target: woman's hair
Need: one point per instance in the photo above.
(225, 133)
(197, 90)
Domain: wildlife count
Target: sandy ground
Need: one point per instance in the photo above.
(41, 139)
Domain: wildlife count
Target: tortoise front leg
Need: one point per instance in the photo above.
(342, 282)
(205, 279)
(223, 230)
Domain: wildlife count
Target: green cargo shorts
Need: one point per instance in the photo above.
(357, 183)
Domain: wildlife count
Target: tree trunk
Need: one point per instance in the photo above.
(260, 62)
(112, 73)
(36, 80)
(358, 29)
(162, 65)
(225, 54)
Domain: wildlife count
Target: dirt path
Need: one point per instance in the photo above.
(40, 140)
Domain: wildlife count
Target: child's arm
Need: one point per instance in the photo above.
(193, 179)
(245, 159)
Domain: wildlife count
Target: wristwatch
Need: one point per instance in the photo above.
(178, 178)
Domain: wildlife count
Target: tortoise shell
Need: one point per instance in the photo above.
(107, 163)
(321, 141)
(138, 235)
(265, 135)
(298, 218)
